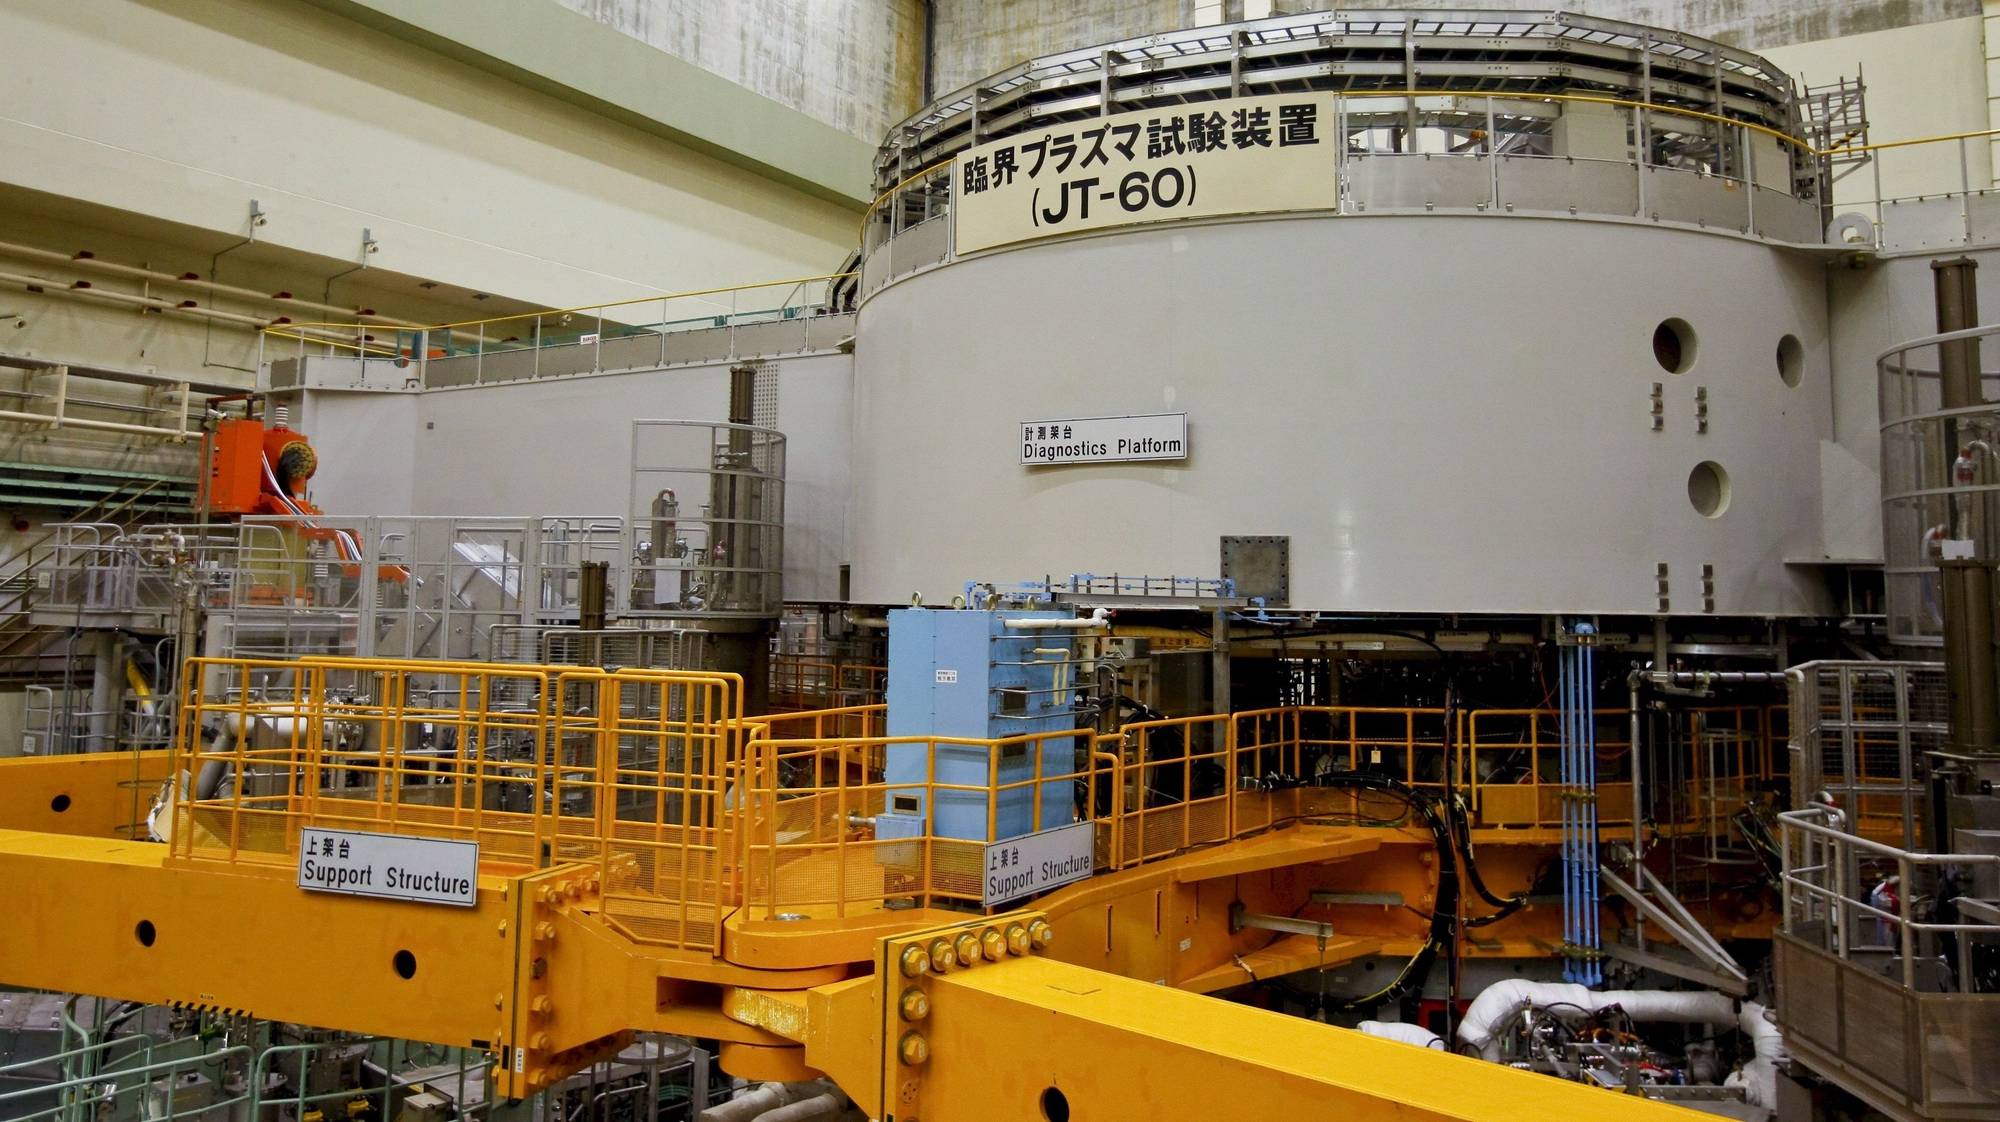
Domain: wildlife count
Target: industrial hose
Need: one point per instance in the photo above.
(1439, 939)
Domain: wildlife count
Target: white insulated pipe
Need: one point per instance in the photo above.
(1403, 1032)
(233, 726)
(1759, 1075)
(761, 1101)
(828, 1105)
(1096, 619)
(1498, 1003)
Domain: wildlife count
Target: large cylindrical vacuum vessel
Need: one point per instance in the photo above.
(1526, 351)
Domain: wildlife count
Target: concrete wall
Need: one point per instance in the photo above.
(856, 66)
(172, 117)
(978, 37)
(1924, 79)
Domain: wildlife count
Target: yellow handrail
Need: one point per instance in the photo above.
(290, 330)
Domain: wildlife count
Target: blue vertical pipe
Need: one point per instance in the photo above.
(1587, 710)
(1566, 712)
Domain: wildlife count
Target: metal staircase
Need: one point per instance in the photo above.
(24, 644)
(1836, 119)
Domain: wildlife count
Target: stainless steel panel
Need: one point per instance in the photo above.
(1696, 200)
(823, 333)
(629, 352)
(786, 337)
(708, 345)
(1547, 183)
(1913, 224)
(1417, 182)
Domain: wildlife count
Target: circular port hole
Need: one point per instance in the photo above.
(145, 933)
(406, 965)
(1673, 346)
(1708, 489)
(1055, 1105)
(59, 804)
(1791, 360)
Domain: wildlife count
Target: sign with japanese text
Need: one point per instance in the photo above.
(1033, 863)
(1105, 440)
(1241, 156)
(390, 866)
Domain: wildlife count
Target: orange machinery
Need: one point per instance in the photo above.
(255, 469)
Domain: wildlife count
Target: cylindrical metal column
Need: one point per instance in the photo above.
(1957, 295)
(1967, 586)
(593, 580)
(1966, 578)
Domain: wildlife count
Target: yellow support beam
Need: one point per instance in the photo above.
(93, 794)
(1005, 1033)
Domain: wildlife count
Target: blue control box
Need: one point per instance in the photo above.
(979, 675)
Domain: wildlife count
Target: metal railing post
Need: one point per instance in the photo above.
(1749, 144)
(1964, 191)
(1492, 159)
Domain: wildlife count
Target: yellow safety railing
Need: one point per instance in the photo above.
(538, 765)
(800, 682)
(688, 810)
(827, 835)
(1180, 794)
(1513, 757)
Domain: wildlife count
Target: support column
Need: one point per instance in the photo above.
(1219, 662)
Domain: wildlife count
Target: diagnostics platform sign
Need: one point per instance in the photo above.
(1241, 156)
(389, 866)
(1105, 440)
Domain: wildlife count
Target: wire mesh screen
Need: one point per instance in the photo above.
(1859, 734)
(708, 502)
(1940, 481)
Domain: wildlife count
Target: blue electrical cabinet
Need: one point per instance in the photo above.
(966, 673)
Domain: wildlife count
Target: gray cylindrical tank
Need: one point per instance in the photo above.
(1443, 414)
(1558, 347)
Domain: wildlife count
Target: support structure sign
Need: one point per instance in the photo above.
(1105, 440)
(389, 866)
(1033, 863)
(1240, 156)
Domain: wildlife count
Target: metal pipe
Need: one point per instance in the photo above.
(50, 286)
(190, 281)
(1080, 624)
(86, 423)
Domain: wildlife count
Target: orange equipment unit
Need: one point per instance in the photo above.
(256, 470)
